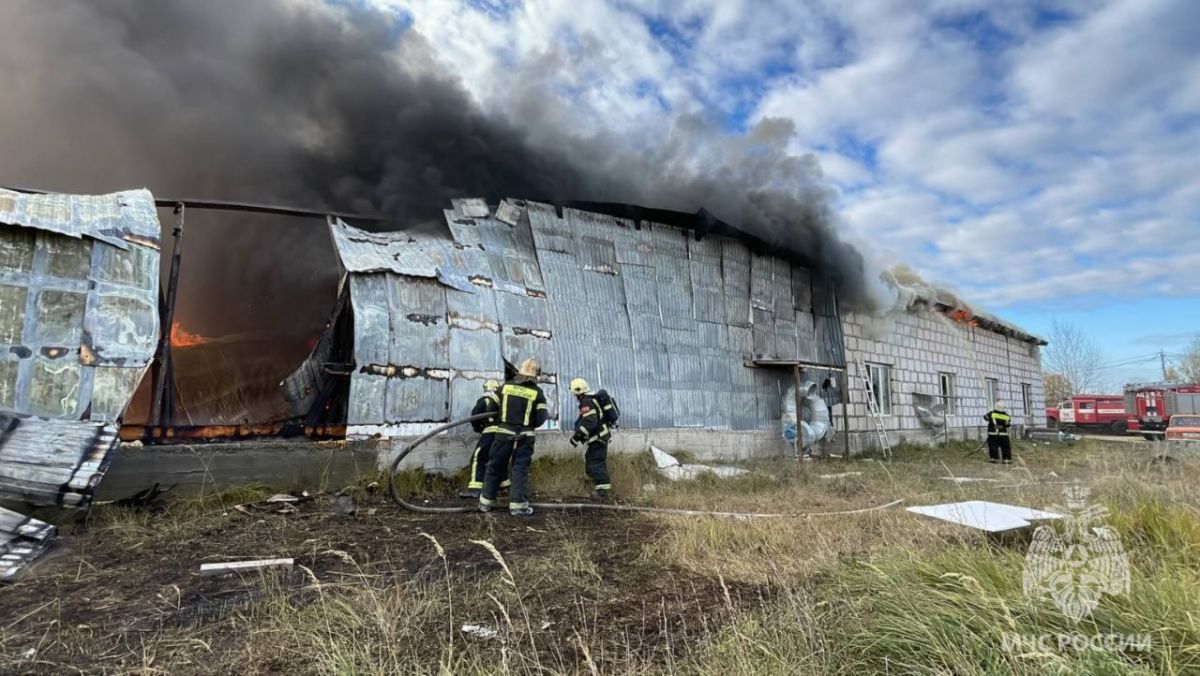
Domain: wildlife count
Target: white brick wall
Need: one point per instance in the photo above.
(920, 344)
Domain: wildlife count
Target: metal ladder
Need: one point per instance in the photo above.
(873, 409)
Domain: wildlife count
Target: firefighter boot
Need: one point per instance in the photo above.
(470, 493)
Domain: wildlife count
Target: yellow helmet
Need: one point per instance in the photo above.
(529, 367)
(579, 386)
(490, 386)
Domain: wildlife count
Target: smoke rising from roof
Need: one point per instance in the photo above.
(341, 106)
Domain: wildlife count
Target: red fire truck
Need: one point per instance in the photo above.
(1092, 412)
(1153, 404)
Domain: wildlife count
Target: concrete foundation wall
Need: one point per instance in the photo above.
(304, 464)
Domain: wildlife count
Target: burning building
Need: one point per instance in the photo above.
(698, 328)
(703, 332)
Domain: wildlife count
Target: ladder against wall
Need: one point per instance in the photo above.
(873, 411)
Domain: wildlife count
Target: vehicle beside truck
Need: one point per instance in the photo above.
(1092, 412)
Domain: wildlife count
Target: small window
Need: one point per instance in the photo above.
(993, 392)
(1027, 397)
(946, 380)
(880, 376)
(1085, 406)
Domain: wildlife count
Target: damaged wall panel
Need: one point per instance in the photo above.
(662, 320)
(78, 328)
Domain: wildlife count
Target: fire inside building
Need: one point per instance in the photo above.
(712, 342)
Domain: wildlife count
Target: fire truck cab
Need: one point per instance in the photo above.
(1154, 404)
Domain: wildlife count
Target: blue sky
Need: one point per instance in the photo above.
(1040, 157)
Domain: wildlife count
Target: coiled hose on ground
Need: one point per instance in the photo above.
(471, 507)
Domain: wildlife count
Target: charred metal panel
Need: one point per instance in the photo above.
(22, 540)
(735, 278)
(802, 289)
(462, 228)
(302, 386)
(117, 219)
(53, 462)
(827, 325)
(474, 331)
(418, 331)
(550, 233)
(398, 252)
(77, 296)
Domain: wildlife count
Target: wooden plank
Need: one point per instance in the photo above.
(241, 566)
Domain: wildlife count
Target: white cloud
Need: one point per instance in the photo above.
(1016, 158)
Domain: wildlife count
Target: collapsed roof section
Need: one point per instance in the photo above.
(659, 316)
(78, 328)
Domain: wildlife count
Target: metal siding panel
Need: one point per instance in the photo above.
(550, 233)
(372, 322)
(366, 402)
(399, 252)
(705, 269)
(418, 332)
(764, 332)
(735, 282)
(801, 289)
(654, 407)
(762, 293)
(72, 303)
(463, 229)
(635, 246)
(416, 399)
(117, 218)
(474, 331)
(781, 276)
(784, 337)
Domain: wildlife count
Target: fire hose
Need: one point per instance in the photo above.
(424, 509)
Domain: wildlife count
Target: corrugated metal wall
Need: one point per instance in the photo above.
(663, 321)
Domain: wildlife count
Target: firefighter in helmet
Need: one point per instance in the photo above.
(999, 446)
(489, 403)
(522, 410)
(591, 429)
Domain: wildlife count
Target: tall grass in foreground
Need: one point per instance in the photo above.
(947, 611)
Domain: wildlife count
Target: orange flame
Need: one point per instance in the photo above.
(181, 337)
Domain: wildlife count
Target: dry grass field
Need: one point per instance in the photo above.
(387, 591)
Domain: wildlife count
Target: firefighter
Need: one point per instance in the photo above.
(522, 410)
(591, 429)
(998, 443)
(488, 403)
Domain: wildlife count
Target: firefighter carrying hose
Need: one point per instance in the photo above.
(591, 428)
(488, 403)
(998, 442)
(522, 410)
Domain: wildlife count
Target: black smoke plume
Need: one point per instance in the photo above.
(341, 106)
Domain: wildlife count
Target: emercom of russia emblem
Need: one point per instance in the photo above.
(1078, 561)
